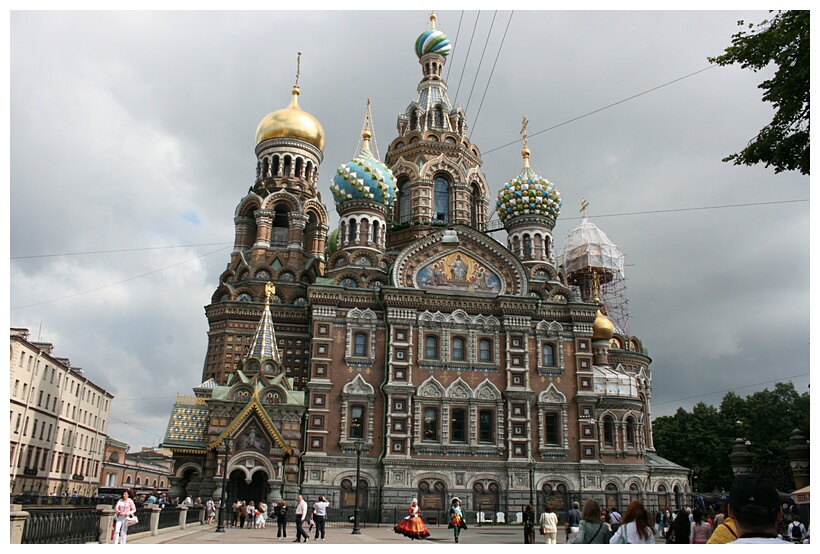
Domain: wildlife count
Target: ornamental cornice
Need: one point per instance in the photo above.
(528, 220)
(518, 394)
(362, 206)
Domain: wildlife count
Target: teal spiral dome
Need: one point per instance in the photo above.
(528, 194)
(364, 177)
(433, 41)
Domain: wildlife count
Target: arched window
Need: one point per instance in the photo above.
(485, 350)
(527, 246)
(630, 432)
(551, 428)
(485, 426)
(128, 480)
(430, 424)
(280, 227)
(360, 344)
(404, 202)
(356, 422)
(609, 431)
(375, 233)
(475, 195)
(441, 200)
(431, 347)
(457, 426)
(458, 348)
(548, 355)
(351, 232)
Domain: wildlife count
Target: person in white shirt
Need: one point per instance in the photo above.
(320, 516)
(301, 514)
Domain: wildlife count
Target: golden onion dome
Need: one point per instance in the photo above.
(602, 328)
(291, 122)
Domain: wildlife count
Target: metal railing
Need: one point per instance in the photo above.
(61, 526)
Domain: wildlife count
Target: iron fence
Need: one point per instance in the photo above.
(168, 517)
(61, 526)
(192, 516)
(144, 517)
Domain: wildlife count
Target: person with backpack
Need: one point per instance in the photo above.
(796, 531)
(593, 529)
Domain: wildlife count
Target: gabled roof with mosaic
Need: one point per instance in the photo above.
(254, 407)
(188, 425)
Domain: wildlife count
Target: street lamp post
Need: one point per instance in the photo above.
(226, 445)
(359, 446)
(531, 466)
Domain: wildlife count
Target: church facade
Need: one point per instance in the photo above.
(411, 340)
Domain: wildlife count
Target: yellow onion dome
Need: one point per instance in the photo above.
(602, 328)
(291, 122)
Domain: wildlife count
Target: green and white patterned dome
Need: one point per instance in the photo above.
(433, 41)
(364, 177)
(528, 194)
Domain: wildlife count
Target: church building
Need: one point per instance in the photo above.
(410, 339)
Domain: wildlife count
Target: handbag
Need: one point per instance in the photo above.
(131, 520)
(542, 531)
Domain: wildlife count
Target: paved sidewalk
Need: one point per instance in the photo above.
(206, 534)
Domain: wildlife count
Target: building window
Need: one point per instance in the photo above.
(485, 426)
(357, 422)
(431, 347)
(351, 235)
(457, 426)
(485, 350)
(548, 355)
(404, 202)
(630, 432)
(360, 344)
(551, 428)
(609, 431)
(441, 200)
(458, 348)
(430, 424)
(527, 246)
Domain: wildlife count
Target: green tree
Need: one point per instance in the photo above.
(784, 40)
(704, 437)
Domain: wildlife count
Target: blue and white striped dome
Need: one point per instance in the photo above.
(433, 41)
(364, 177)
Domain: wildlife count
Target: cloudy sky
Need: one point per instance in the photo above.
(132, 141)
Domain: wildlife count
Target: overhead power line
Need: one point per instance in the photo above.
(480, 62)
(117, 283)
(489, 80)
(779, 379)
(530, 135)
(118, 250)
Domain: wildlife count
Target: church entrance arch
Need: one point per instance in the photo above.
(239, 488)
(554, 495)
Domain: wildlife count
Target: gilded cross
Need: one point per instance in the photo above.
(298, 66)
(584, 205)
(524, 123)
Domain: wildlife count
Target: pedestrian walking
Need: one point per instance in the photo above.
(679, 529)
(412, 525)
(529, 525)
(235, 512)
(699, 530)
(320, 516)
(262, 517)
(243, 513)
(592, 529)
(281, 513)
(573, 521)
(549, 525)
(210, 511)
(457, 521)
(123, 509)
(635, 527)
(301, 514)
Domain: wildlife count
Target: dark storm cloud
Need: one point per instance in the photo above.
(136, 129)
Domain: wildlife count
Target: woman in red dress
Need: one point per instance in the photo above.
(412, 525)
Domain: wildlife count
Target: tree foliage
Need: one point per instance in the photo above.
(703, 438)
(784, 40)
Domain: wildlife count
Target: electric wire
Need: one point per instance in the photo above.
(530, 135)
(480, 62)
(464, 65)
(453, 49)
(117, 283)
(490, 78)
(118, 250)
(778, 380)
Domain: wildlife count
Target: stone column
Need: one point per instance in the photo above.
(799, 458)
(740, 458)
(17, 523)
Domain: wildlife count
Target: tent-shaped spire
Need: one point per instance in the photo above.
(263, 347)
